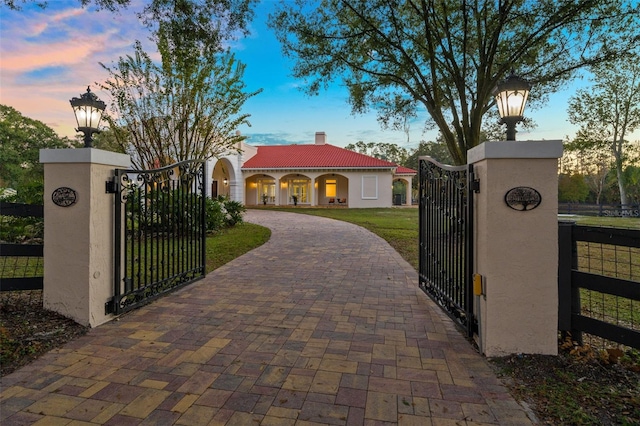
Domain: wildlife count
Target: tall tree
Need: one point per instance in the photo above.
(609, 111)
(382, 150)
(632, 176)
(187, 107)
(572, 188)
(21, 139)
(446, 56)
(593, 164)
(436, 150)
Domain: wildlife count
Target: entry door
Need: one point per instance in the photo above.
(267, 188)
(299, 189)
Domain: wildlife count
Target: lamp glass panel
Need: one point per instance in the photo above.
(95, 117)
(80, 114)
(511, 103)
(87, 116)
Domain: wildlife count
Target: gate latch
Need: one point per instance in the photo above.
(110, 307)
(110, 186)
(475, 185)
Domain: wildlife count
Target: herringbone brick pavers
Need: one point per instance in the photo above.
(322, 325)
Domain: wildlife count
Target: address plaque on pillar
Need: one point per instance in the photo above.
(523, 198)
(64, 197)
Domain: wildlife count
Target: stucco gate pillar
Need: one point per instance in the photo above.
(516, 246)
(78, 232)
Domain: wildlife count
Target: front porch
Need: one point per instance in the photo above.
(297, 189)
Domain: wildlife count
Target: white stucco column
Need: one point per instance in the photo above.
(78, 232)
(517, 250)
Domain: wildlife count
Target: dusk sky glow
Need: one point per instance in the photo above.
(49, 56)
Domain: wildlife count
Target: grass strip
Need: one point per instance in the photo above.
(230, 243)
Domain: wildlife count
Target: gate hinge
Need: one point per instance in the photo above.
(110, 186)
(475, 185)
(110, 307)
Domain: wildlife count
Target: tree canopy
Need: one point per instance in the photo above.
(608, 112)
(179, 109)
(445, 57)
(21, 139)
(384, 151)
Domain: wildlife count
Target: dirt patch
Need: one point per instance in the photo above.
(27, 330)
(580, 386)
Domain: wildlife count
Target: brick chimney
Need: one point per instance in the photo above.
(321, 138)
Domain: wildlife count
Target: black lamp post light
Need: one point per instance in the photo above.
(511, 97)
(88, 110)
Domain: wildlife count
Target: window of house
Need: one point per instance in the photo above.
(330, 186)
(370, 187)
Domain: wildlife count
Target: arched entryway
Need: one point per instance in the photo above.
(296, 189)
(401, 193)
(333, 189)
(223, 179)
(260, 189)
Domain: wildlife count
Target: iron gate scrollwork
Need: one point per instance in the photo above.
(160, 232)
(446, 239)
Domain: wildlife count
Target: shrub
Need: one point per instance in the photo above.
(215, 217)
(235, 210)
(222, 212)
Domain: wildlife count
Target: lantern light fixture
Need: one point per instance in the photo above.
(511, 97)
(88, 110)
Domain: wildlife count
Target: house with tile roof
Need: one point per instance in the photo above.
(316, 174)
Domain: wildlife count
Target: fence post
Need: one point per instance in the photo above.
(78, 227)
(516, 247)
(565, 264)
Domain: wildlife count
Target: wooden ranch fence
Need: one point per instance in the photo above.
(599, 283)
(21, 265)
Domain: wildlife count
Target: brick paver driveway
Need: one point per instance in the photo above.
(324, 324)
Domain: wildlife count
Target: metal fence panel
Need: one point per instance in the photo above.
(160, 232)
(446, 238)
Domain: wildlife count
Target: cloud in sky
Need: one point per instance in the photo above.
(51, 55)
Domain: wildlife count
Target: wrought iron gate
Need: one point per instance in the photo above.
(160, 232)
(446, 238)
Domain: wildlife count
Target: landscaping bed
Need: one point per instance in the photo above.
(28, 331)
(580, 386)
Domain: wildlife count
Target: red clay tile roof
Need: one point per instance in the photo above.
(405, 171)
(312, 156)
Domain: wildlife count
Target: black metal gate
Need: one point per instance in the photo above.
(446, 238)
(160, 232)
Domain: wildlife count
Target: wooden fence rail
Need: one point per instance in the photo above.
(20, 263)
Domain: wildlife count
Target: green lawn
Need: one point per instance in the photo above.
(611, 222)
(222, 247)
(229, 243)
